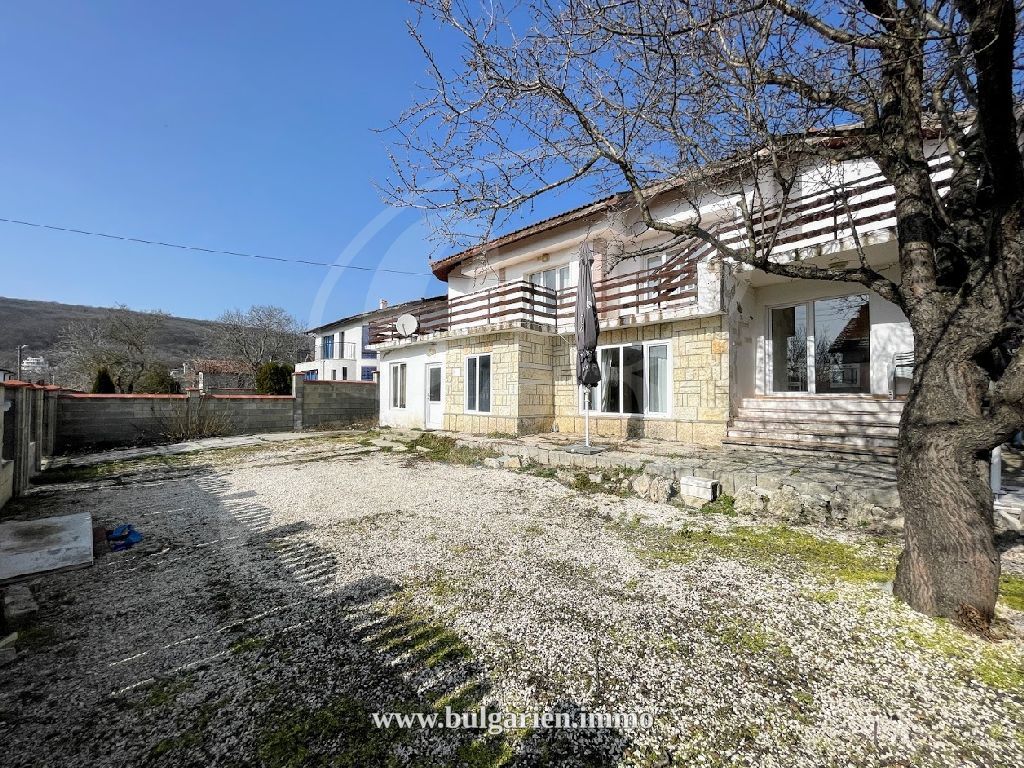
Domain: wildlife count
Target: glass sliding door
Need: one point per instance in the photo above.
(842, 345)
(789, 349)
(838, 332)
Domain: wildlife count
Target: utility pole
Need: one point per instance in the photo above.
(19, 348)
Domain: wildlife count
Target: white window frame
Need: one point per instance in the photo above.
(647, 414)
(490, 381)
(810, 341)
(398, 384)
(563, 276)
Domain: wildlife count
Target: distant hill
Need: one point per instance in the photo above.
(39, 323)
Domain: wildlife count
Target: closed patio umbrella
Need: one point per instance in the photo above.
(588, 372)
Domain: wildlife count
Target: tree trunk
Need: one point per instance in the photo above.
(949, 566)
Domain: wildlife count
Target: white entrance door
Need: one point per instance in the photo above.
(435, 405)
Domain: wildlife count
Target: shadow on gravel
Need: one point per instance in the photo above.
(234, 639)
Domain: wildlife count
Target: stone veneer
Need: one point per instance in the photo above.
(700, 384)
(533, 383)
(522, 387)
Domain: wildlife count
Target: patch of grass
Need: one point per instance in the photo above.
(193, 735)
(824, 597)
(768, 546)
(36, 637)
(109, 469)
(246, 644)
(549, 473)
(444, 448)
(723, 505)
(501, 435)
(442, 587)
(744, 638)
(997, 665)
(340, 733)
(488, 752)
(581, 482)
(164, 692)
(1011, 592)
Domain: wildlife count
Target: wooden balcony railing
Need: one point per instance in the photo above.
(671, 286)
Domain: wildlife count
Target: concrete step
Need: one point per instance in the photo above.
(823, 448)
(824, 403)
(824, 417)
(791, 434)
(822, 427)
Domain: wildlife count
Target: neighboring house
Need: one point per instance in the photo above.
(693, 348)
(227, 377)
(342, 348)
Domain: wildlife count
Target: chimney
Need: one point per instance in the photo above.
(383, 304)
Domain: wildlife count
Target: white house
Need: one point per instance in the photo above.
(693, 348)
(342, 348)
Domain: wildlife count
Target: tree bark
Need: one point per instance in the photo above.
(949, 566)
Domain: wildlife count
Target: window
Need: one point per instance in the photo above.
(821, 346)
(368, 354)
(555, 278)
(334, 374)
(478, 384)
(398, 385)
(311, 376)
(366, 373)
(327, 347)
(434, 384)
(635, 379)
(344, 373)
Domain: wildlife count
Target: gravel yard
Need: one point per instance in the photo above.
(284, 594)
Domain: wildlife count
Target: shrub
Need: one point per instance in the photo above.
(103, 384)
(274, 379)
(157, 381)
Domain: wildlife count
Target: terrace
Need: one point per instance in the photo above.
(667, 291)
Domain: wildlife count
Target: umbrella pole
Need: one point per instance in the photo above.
(586, 420)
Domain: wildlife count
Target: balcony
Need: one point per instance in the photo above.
(345, 351)
(666, 290)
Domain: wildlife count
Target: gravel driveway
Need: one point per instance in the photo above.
(284, 595)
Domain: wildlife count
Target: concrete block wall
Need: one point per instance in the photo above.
(104, 421)
(338, 403)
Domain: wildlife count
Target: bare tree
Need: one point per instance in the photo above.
(740, 97)
(260, 335)
(121, 342)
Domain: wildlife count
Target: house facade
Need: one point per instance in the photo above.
(342, 350)
(693, 347)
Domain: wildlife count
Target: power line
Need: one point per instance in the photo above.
(200, 249)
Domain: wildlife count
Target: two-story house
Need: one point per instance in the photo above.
(342, 350)
(693, 347)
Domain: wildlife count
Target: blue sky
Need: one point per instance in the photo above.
(245, 126)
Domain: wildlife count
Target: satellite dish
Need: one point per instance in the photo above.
(406, 325)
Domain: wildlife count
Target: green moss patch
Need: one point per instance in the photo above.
(769, 546)
(997, 665)
(339, 734)
(1011, 592)
(444, 448)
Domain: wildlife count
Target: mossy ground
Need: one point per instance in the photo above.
(444, 448)
(768, 547)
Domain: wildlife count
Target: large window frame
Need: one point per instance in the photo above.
(474, 383)
(598, 392)
(814, 378)
(399, 384)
